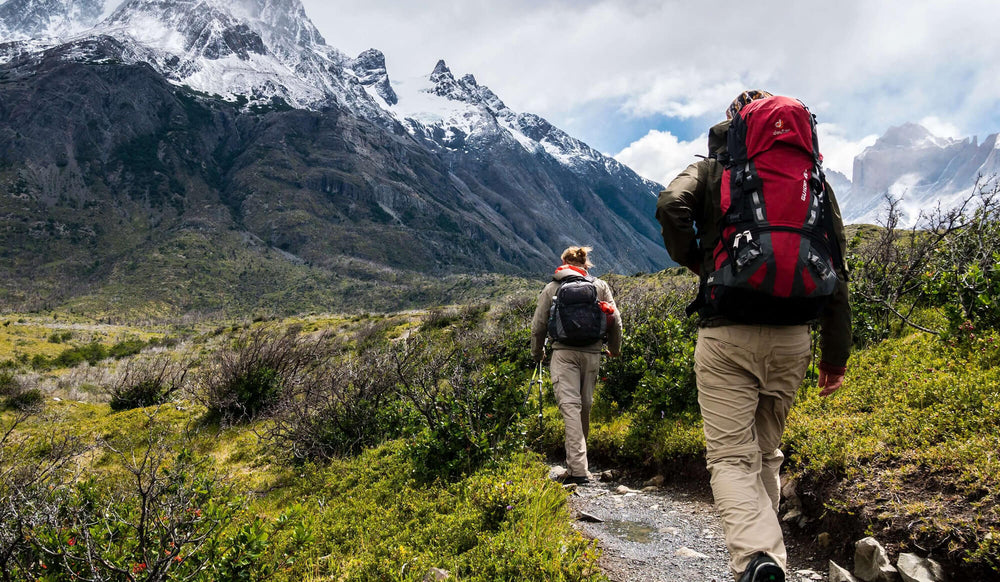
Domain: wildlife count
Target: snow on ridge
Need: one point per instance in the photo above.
(210, 45)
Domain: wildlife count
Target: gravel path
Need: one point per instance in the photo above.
(662, 533)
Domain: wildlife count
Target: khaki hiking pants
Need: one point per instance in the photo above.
(574, 375)
(747, 379)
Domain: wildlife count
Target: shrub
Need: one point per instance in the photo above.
(248, 378)
(125, 348)
(146, 382)
(8, 383)
(165, 518)
(27, 400)
(340, 408)
(91, 353)
(654, 375)
(472, 409)
(31, 470)
(948, 258)
(964, 276)
(440, 318)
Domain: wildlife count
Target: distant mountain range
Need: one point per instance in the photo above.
(918, 168)
(165, 156)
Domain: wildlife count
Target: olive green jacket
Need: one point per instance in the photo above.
(689, 211)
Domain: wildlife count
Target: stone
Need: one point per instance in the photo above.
(650, 489)
(656, 481)
(588, 517)
(824, 540)
(435, 574)
(871, 563)
(838, 574)
(808, 575)
(913, 568)
(792, 515)
(622, 490)
(609, 475)
(788, 489)
(686, 552)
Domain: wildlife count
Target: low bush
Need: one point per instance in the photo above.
(471, 405)
(126, 348)
(506, 523)
(27, 400)
(915, 421)
(249, 378)
(146, 382)
(340, 408)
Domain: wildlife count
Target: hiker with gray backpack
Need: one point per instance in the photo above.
(758, 222)
(577, 312)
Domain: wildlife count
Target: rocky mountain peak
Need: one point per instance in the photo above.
(910, 135)
(190, 28)
(440, 69)
(283, 24)
(369, 66)
(465, 89)
(27, 19)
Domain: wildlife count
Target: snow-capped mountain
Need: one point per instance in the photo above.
(33, 19)
(918, 168)
(262, 50)
(234, 123)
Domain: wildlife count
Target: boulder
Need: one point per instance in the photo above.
(871, 563)
(838, 574)
(656, 481)
(913, 568)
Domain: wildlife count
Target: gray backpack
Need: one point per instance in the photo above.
(576, 317)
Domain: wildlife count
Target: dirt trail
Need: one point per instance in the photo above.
(667, 534)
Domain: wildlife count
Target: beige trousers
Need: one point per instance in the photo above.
(574, 375)
(747, 379)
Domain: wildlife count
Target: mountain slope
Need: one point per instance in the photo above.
(121, 185)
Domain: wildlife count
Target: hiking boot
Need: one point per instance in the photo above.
(568, 479)
(763, 568)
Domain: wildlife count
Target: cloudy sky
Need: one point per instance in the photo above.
(643, 79)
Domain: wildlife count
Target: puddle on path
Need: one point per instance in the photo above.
(631, 531)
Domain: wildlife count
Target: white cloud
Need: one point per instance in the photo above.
(941, 128)
(839, 151)
(862, 65)
(660, 156)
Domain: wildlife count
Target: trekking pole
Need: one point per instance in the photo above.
(539, 399)
(812, 361)
(539, 373)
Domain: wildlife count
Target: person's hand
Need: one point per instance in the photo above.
(829, 380)
(610, 354)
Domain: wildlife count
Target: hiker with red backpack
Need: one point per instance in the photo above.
(758, 222)
(577, 312)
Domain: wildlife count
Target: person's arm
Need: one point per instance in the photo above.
(540, 322)
(835, 340)
(614, 341)
(835, 321)
(677, 210)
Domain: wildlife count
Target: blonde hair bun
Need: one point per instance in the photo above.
(577, 256)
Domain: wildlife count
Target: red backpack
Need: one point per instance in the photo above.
(774, 263)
